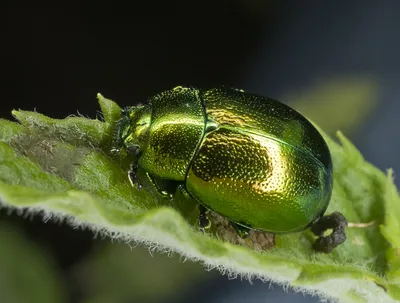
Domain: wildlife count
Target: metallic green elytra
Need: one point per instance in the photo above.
(251, 159)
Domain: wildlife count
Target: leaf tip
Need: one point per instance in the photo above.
(111, 110)
(348, 147)
(18, 115)
(340, 135)
(390, 174)
(14, 112)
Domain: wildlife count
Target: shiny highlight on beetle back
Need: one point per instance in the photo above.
(266, 117)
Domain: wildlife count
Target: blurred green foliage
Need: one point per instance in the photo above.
(119, 273)
(340, 103)
(28, 273)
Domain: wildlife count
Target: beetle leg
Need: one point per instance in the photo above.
(204, 223)
(133, 178)
(242, 231)
(335, 221)
(154, 184)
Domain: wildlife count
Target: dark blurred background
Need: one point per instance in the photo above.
(335, 61)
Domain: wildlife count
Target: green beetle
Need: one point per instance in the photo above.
(251, 159)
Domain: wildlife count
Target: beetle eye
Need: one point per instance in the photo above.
(133, 150)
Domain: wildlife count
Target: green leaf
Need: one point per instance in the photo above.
(391, 228)
(63, 169)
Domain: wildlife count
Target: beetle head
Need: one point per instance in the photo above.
(132, 130)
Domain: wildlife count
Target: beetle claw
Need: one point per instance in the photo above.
(167, 195)
(243, 232)
(203, 220)
(115, 151)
